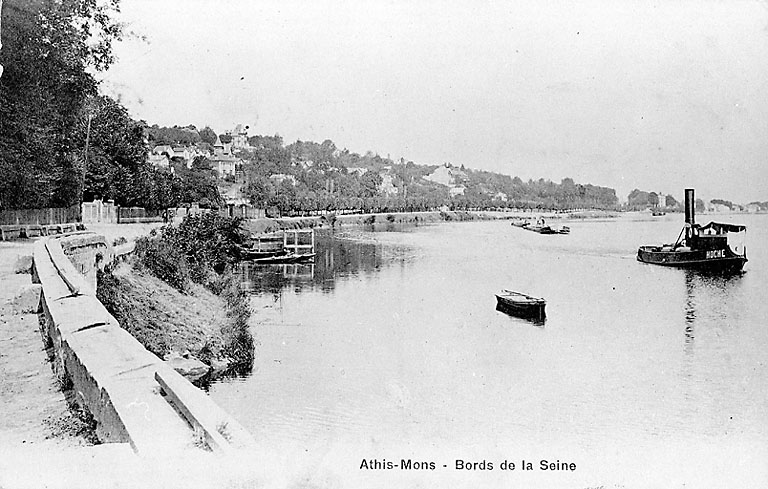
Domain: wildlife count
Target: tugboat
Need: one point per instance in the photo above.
(698, 247)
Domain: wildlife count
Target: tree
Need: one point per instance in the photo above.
(207, 135)
(117, 156)
(370, 182)
(671, 202)
(48, 46)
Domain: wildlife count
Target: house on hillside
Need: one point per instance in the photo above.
(185, 154)
(163, 149)
(160, 160)
(447, 175)
(718, 208)
(239, 137)
(501, 197)
(223, 161)
(353, 170)
(387, 187)
(225, 165)
(279, 178)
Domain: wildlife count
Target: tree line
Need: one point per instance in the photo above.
(326, 178)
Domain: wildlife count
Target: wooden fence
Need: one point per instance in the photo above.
(42, 217)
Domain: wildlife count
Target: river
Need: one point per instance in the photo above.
(389, 348)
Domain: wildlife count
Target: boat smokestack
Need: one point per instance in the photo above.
(690, 205)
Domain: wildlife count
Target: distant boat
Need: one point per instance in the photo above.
(521, 305)
(542, 228)
(549, 229)
(658, 213)
(698, 247)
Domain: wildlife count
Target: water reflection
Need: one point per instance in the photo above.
(712, 301)
(337, 256)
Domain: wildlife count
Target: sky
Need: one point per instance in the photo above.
(626, 94)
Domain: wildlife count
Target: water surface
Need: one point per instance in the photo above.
(390, 347)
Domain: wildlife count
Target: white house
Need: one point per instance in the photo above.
(387, 187)
(160, 160)
(446, 175)
(279, 178)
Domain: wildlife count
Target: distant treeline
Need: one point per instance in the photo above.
(328, 178)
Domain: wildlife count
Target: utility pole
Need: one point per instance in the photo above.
(87, 140)
(1, 39)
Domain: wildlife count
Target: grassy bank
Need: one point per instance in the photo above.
(178, 297)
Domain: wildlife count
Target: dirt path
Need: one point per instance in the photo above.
(32, 407)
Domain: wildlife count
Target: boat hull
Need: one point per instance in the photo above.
(284, 259)
(547, 229)
(723, 260)
(535, 311)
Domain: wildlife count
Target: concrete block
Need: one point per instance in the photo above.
(190, 367)
(27, 300)
(23, 264)
(33, 231)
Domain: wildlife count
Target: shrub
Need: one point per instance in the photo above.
(238, 340)
(163, 261)
(199, 244)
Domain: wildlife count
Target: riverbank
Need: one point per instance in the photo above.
(269, 225)
(168, 296)
(189, 330)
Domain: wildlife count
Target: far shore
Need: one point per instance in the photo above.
(268, 225)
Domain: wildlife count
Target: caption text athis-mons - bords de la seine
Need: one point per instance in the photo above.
(469, 465)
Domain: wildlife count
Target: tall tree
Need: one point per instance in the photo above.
(48, 46)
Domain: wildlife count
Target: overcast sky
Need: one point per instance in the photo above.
(654, 95)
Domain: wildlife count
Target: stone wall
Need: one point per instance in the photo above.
(112, 374)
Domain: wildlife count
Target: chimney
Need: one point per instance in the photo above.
(689, 207)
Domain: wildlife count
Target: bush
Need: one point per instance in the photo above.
(164, 262)
(239, 345)
(201, 249)
(201, 243)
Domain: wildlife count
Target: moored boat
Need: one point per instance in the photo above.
(542, 228)
(698, 247)
(521, 305)
(250, 254)
(289, 257)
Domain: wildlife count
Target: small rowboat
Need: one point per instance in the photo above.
(521, 305)
(249, 254)
(548, 229)
(289, 257)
